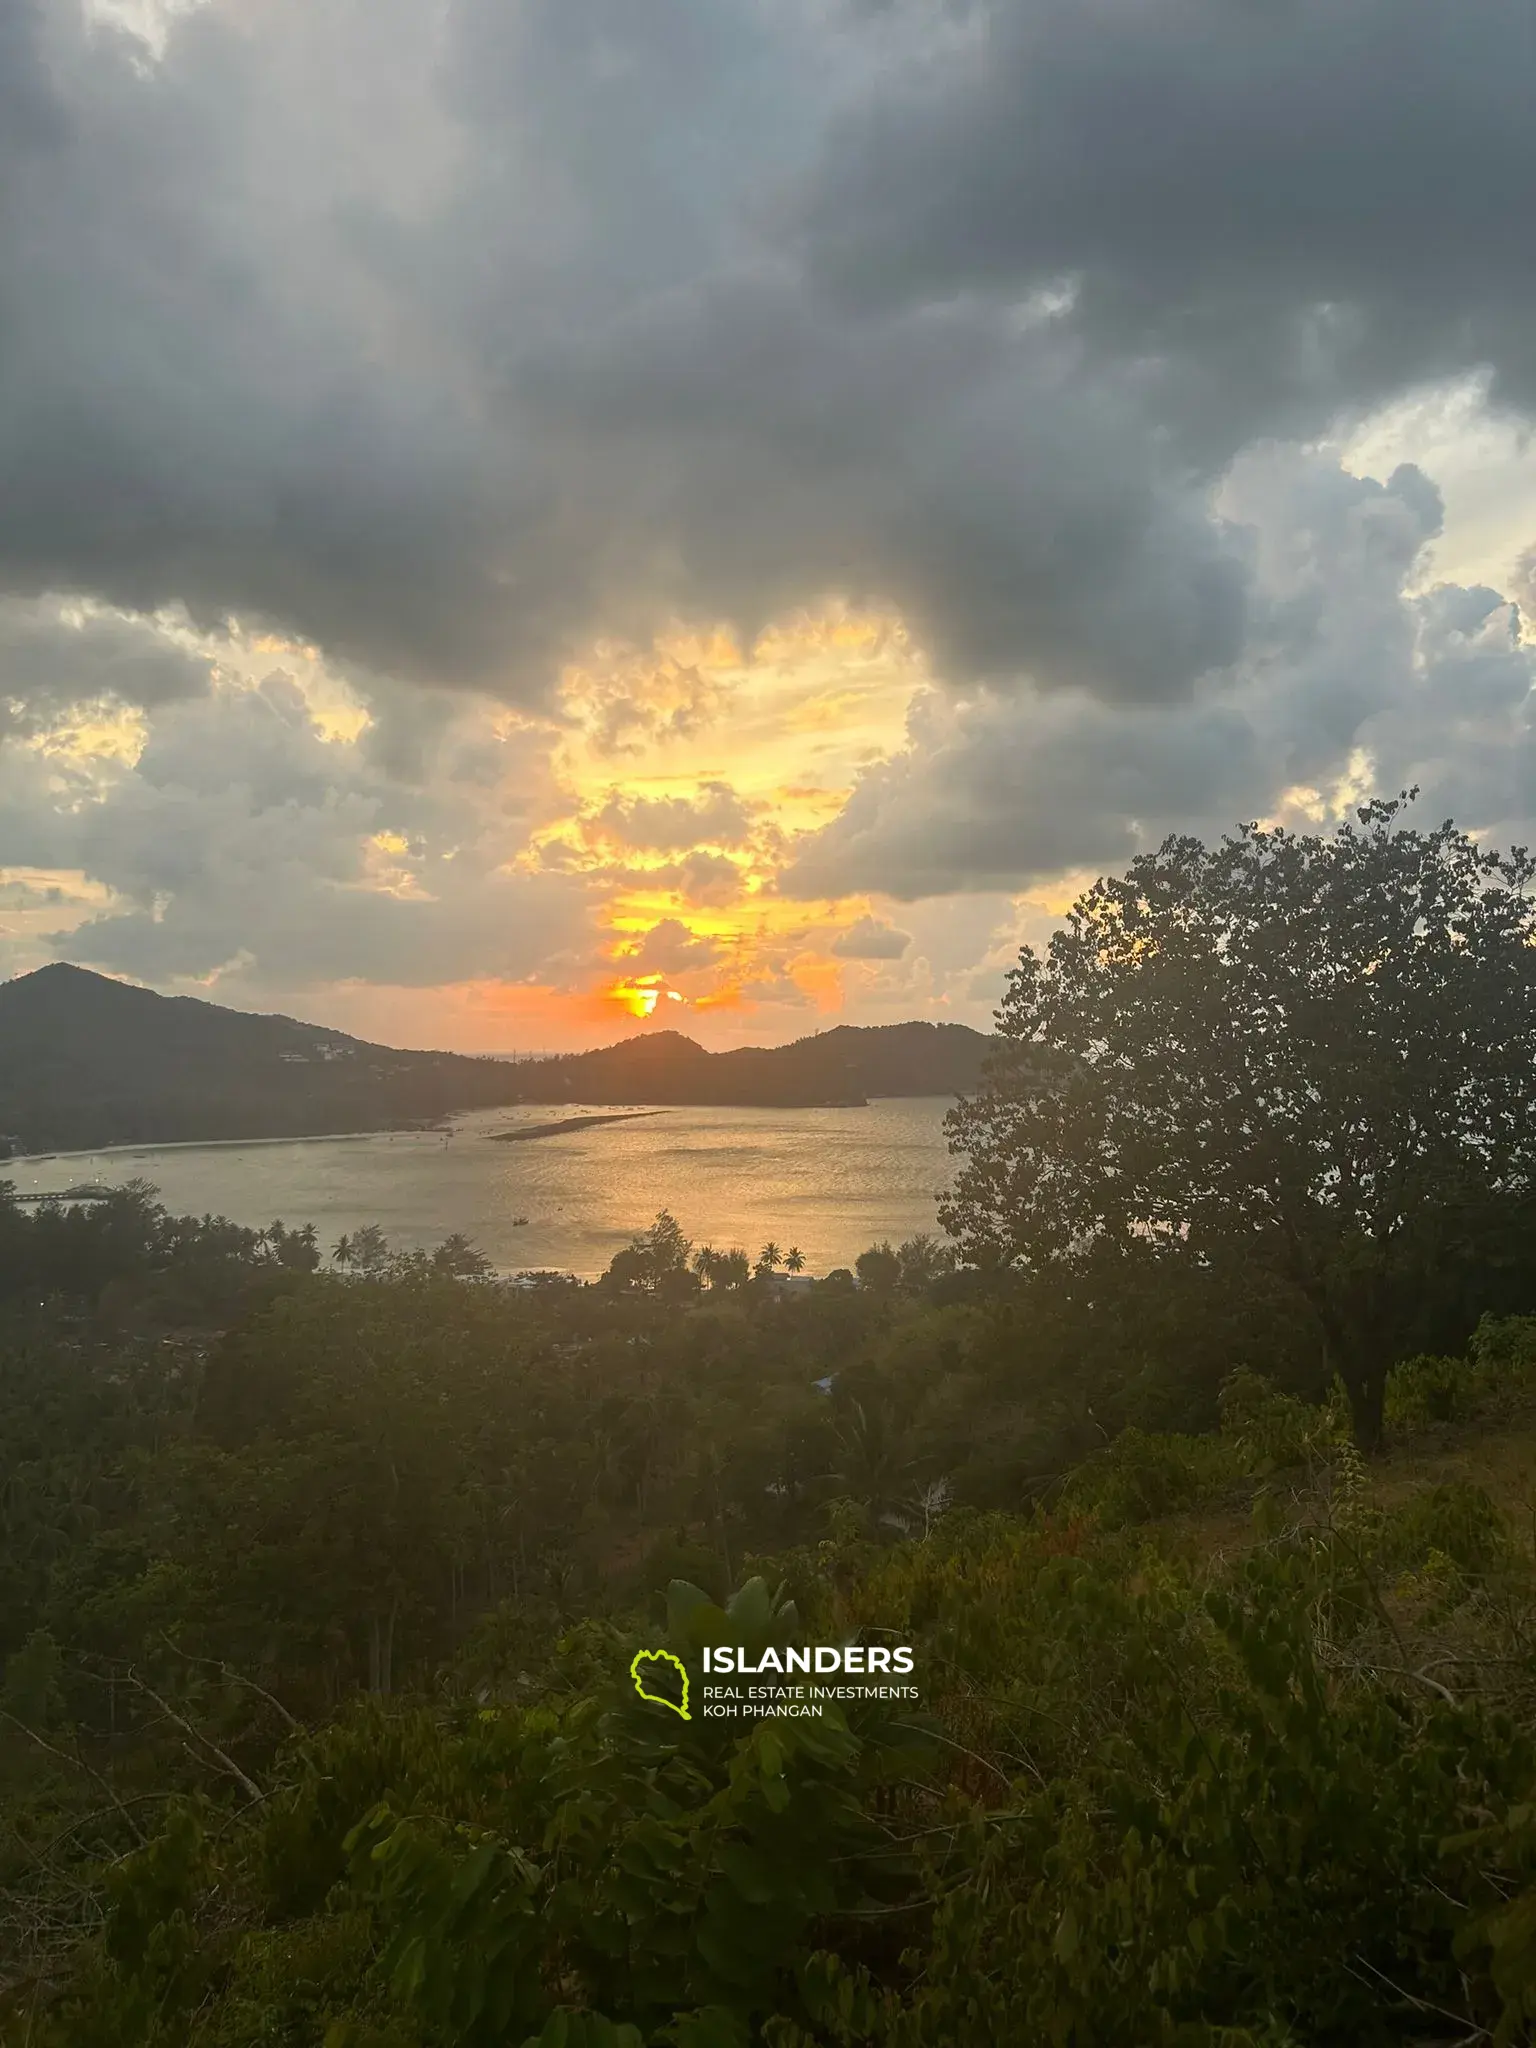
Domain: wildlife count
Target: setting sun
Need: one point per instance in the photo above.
(641, 998)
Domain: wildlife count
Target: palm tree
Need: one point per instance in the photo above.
(794, 1260)
(706, 1262)
(367, 1251)
(731, 1268)
(769, 1258)
(460, 1257)
(873, 1467)
(342, 1251)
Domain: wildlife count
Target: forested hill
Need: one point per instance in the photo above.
(88, 1061)
(849, 1063)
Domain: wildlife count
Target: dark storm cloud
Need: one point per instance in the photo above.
(202, 398)
(1284, 203)
(1022, 515)
(450, 338)
(451, 341)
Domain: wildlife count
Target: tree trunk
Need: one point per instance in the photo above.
(387, 1660)
(1365, 1382)
(725, 1548)
(1360, 1349)
(381, 1651)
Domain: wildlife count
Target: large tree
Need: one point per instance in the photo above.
(1313, 1056)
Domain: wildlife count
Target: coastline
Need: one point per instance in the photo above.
(831, 1181)
(221, 1144)
(446, 1125)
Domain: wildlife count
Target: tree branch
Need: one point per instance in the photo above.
(74, 1763)
(197, 1736)
(237, 1678)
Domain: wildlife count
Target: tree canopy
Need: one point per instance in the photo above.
(1310, 1056)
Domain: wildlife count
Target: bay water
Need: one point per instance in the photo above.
(830, 1181)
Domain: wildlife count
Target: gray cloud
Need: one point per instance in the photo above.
(285, 925)
(666, 824)
(671, 948)
(450, 338)
(1008, 791)
(871, 938)
(489, 353)
(709, 878)
(207, 388)
(996, 791)
(1022, 514)
(54, 658)
(561, 319)
(1272, 207)
(243, 835)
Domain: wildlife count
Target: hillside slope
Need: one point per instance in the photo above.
(88, 1061)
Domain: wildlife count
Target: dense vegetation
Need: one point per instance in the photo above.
(322, 1569)
(319, 1590)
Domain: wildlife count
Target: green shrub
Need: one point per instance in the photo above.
(1425, 1390)
(1139, 1477)
(1499, 1374)
(1457, 1522)
(1504, 1350)
(1272, 1428)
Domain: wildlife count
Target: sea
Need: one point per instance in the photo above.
(830, 1182)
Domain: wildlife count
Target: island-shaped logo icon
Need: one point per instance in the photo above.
(643, 1667)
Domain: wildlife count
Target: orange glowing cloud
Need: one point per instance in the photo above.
(642, 997)
(684, 779)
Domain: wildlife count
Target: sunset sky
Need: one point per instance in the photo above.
(526, 520)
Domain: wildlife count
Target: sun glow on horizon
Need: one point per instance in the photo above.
(686, 779)
(641, 998)
(663, 797)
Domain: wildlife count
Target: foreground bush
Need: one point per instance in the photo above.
(1146, 1801)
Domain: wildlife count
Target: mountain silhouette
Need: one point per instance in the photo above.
(86, 1062)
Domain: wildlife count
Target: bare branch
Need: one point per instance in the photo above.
(237, 1678)
(74, 1763)
(205, 1742)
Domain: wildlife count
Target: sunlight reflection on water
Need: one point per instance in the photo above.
(831, 1181)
